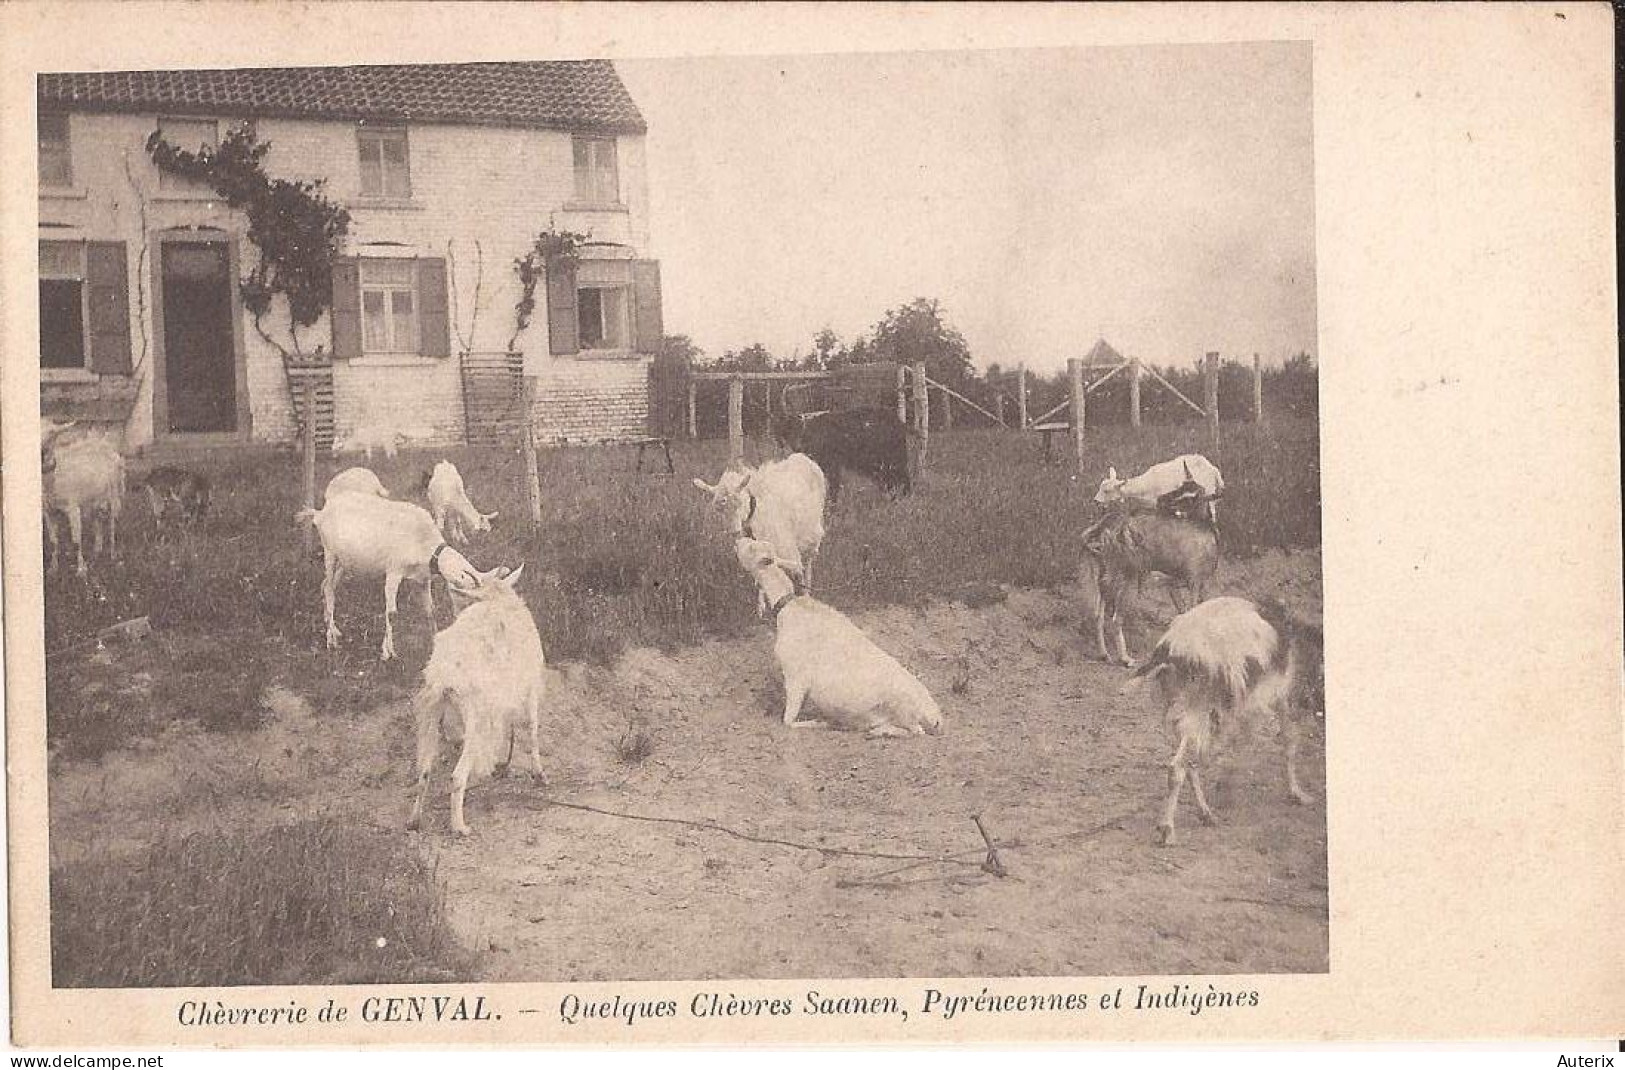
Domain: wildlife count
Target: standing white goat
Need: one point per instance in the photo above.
(454, 514)
(372, 536)
(84, 476)
(487, 671)
(826, 658)
(1219, 667)
(1119, 551)
(355, 480)
(782, 503)
(1144, 490)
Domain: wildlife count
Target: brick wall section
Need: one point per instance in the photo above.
(586, 401)
(494, 186)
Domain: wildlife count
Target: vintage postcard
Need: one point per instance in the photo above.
(581, 525)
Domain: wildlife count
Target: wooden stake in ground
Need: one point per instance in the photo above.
(991, 864)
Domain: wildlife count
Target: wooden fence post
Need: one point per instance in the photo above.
(1021, 397)
(527, 444)
(736, 420)
(693, 425)
(922, 410)
(1258, 391)
(1074, 368)
(309, 447)
(902, 395)
(1134, 394)
(998, 408)
(947, 410)
(1210, 380)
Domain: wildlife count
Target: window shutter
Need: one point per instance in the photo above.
(646, 292)
(434, 323)
(106, 276)
(346, 312)
(562, 329)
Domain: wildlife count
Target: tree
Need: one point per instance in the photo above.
(917, 332)
(826, 346)
(680, 347)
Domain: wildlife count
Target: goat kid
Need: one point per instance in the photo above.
(176, 492)
(486, 673)
(83, 479)
(1219, 668)
(782, 503)
(454, 514)
(1122, 548)
(355, 481)
(824, 657)
(371, 536)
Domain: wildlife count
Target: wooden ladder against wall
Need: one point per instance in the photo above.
(493, 397)
(301, 379)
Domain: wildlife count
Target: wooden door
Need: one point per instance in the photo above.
(200, 365)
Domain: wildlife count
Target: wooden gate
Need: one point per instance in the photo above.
(493, 397)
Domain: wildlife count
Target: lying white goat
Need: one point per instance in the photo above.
(355, 480)
(1220, 667)
(454, 514)
(487, 671)
(825, 658)
(372, 437)
(782, 503)
(371, 536)
(84, 476)
(1144, 490)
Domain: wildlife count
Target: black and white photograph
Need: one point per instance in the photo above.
(817, 516)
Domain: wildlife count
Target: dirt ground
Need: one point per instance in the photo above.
(1065, 771)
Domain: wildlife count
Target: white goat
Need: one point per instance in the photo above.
(373, 536)
(1121, 549)
(1220, 667)
(355, 480)
(781, 502)
(371, 437)
(487, 670)
(825, 658)
(453, 513)
(1144, 490)
(83, 476)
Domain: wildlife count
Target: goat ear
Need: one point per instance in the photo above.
(1188, 471)
(489, 516)
(512, 578)
(703, 485)
(1111, 473)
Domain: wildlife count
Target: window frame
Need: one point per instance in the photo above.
(66, 119)
(83, 369)
(590, 193)
(389, 288)
(626, 325)
(376, 134)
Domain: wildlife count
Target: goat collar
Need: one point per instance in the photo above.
(434, 560)
(783, 600)
(750, 514)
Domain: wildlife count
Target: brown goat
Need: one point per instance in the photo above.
(1122, 548)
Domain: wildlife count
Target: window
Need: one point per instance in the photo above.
(389, 306)
(384, 170)
(55, 155)
(190, 135)
(601, 313)
(597, 178)
(62, 304)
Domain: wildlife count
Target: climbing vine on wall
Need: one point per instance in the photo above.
(551, 248)
(296, 229)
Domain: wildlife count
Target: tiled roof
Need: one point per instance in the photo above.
(552, 94)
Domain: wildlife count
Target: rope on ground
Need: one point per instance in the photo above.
(712, 826)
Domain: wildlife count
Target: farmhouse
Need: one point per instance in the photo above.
(448, 172)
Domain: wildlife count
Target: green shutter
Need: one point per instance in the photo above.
(107, 278)
(434, 323)
(346, 312)
(562, 328)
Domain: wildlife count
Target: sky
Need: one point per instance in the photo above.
(1160, 197)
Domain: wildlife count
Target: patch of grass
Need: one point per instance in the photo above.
(317, 902)
(623, 559)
